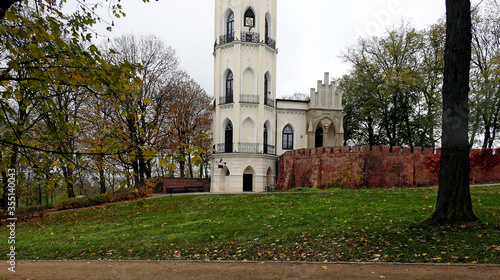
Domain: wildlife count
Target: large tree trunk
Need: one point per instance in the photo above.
(102, 176)
(454, 202)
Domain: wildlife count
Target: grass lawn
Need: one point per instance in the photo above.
(381, 225)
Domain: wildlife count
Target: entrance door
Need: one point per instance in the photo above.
(319, 138)
(247, 182)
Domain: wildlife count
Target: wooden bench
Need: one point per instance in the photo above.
(185, 189)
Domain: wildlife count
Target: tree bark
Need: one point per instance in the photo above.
(454, 203)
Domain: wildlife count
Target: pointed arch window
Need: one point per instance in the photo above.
(288, 138)
(230, 28)
(267, 34)
(228, 137)
(249, 18)
(266, 30)
(266, 139)
(229, 87)
(266, 85)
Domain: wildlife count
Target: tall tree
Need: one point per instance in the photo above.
(140, 113)
(391, 93)
(454, 203)
(485, 74)
(189, 119)
(45, 53)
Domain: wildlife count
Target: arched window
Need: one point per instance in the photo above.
(230, 28)
(249, 18)
(319, 138)
(266, 85)
(229, 87)
(228, 137)
(267, 90)
(288, 138)
(266, 30)
(266, 139)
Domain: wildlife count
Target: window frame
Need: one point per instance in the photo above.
(287, 137)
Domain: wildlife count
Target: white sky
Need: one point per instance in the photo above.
(311, 34)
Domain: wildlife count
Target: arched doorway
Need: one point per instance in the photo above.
(248, 179)
(224, 179)
(318, 139)
(270, 180)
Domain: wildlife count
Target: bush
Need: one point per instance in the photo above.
(29, 212)
(132, 193)
(330, 185)
(79, 202)
(122, 195)
(100, 198)
(305, 189)
(25, 213)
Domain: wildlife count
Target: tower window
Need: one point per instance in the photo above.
(228, 137)
(266, 136)
(230, 26)
(266, 86)
(249, 18)
(288, 138)
(229, 87)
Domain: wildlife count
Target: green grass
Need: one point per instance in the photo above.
(337, 225)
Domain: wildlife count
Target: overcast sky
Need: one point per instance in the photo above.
(311, 34)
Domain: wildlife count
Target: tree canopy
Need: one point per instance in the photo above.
(393, 92)
(81, 117)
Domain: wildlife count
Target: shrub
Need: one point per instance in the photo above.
(132, 193)
(26, 213)
(485, 159)
(79, 202)
(100, 198)
(29, 212)
(330, 185)
(305, 189)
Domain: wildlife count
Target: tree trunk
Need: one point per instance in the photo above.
(454, 204)
(5, 184)
(70, 183)
(102, 178)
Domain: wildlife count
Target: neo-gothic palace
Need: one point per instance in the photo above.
(251, 127)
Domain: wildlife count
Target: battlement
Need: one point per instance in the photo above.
(368, 166)
(326, 95)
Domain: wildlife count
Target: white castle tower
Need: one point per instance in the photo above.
(245, 93)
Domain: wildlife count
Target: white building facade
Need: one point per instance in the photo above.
(251, 128)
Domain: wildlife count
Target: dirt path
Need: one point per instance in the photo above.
(173, 270)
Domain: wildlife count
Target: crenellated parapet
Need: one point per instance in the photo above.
(375, 166)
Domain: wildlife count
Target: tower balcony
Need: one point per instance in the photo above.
(271, 43)
(269, 101)
(250, 37)
(246, 148)
(227, 38)
(226, 99)
(249, 98)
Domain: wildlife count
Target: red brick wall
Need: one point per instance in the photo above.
(357, 166)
